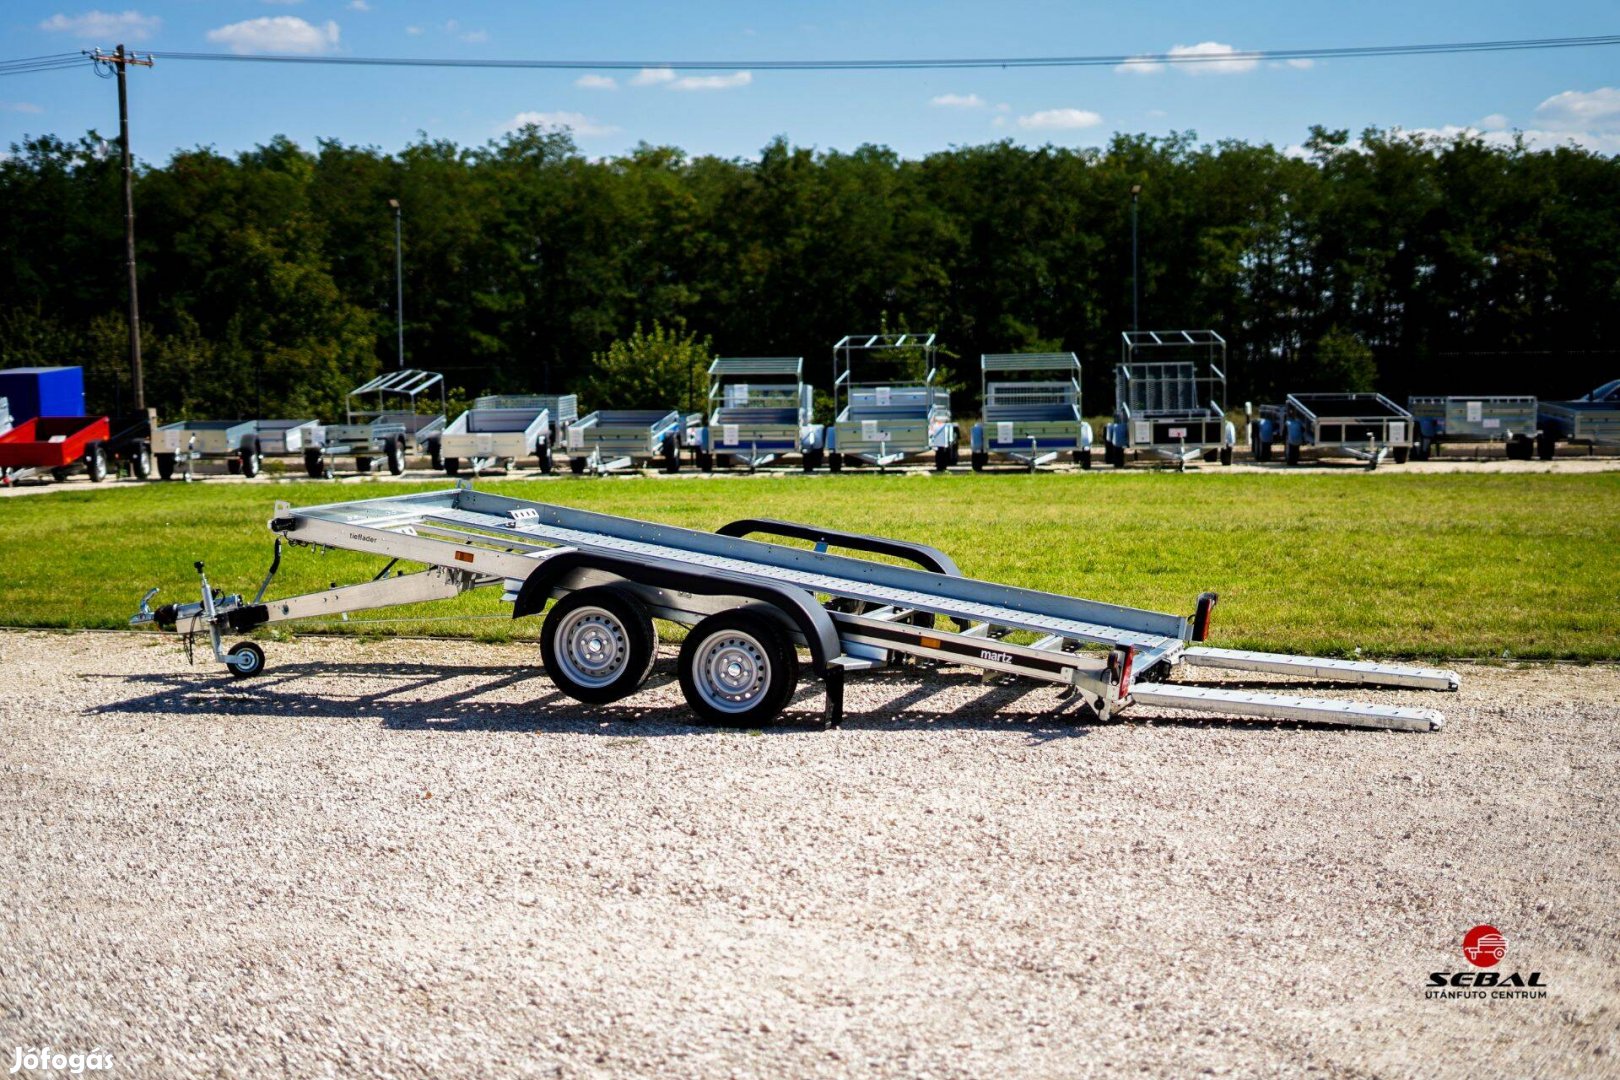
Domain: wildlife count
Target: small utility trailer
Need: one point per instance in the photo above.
(889, 423)
(614, 440)
(564, 410)
(1367, 427)
(1480, 420)
(760, 409)
(498, 431)
(382, 421)
(751, 605)
(180, 445)
(1031, 410)
(288, 438)
(1170, 399)
(61, 445)
(1592, 421)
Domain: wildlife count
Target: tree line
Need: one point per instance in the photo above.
(1392, 261)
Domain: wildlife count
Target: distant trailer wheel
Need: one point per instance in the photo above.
(1546, 445)
(61, 473)
(1401, 454)
(1291, 454)
(245, 660)
(576, 466)
(314, 466)
(363, 465)
(1211, 456)
(1084, 457)
(394, 454)
(165, 464)
(737, 669)
(598, 644)
(835, 462)
(1226, 455)
(452, 466)
(942, 458)
(140, 461)
(542, 455)
(95, 463)
(977, 460)
(233, 466)
(249, 458)
(672, 454)
(435, 454)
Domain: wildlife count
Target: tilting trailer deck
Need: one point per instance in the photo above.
(889, 423)
(1030, 420)
(498, 432)
(760, 409)
(1170, 399)
(1478, 420)
(751, 605)
(1592, 421)
(615, 440)
(382, 421)
(1367, 427)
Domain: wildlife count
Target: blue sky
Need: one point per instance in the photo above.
(1554, 96)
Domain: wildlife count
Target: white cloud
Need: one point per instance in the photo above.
(1059, 120)
(1299, 63)
(652, 76)
(359, 5)
(1582, 110)
(277, 34)
(713, 82)
(1157, 114)
(1212, 66)
(578, 123)
(1139, 65)
(414, 31)
(123, 25)
(20, 106)
(1493, 121)
(597, 82)
(958, 101)
(1002, 106)
(476, 37)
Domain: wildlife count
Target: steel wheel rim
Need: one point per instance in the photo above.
(731, 672)
(592, 647)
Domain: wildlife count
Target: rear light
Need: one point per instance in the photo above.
(1203, 614)
(1119, 666)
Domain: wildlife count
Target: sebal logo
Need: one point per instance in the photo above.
(1484, 947)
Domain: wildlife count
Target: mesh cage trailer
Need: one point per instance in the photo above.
(760, 410)
(886, 423)
(751, 606)
(1031, 410)
(1170, 399)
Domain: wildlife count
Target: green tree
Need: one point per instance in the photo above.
(1342, 361)
(657, 369)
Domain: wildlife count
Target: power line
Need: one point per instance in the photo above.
(65, 60)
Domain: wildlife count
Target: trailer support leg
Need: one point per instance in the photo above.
(833, 681)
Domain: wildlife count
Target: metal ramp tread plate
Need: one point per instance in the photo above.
(1350, 671)
(1286, 707)
(1154, 646)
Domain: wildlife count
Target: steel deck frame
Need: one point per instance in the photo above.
(1030, 420)
(851, 613)
(885, 423)
(1366, 426)
(760, 409)
(1170, 398)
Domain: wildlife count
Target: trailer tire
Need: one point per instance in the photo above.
(95, 463)
(248, 457)
(1291, 454)
(1226, 455)
(140, 461)
(1402, 453)
(452, 466)
(394, 455)
(835, 462)
(942, 458)
(165, 464)
(977, 459)
(1546, 445)
(435, 454)
(672, 454)
(233, 466)
(738, 669)
(245, 660)
(576, 466)
(313, 465)
(598, 644)
(542, 454)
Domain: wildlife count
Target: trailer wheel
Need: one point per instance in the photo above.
(95, 463)
(394, 452)
(1291, 454)
(250, 458)
(942, 458)
(165, 464)
(234, 466)
(452, 466)
(362, 465)
(245, 660)
(598, 644)
(1401, 454)
(542, 454)
(835, 462)
(313, 465)
(738, 669)
(435, 454)
(977, 459)
(1226, 455)
(672, 454)
(1546, 445)
(576, 466)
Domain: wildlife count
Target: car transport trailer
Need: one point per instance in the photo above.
(760, 409)
(60, 444)
(613, 440)
(888, 423)
(1170, 399)
(1030, 420)
(382, 421)
(1368, 427)
(1592, 421)
(500, 432)
(751, 605)
(1482, 419)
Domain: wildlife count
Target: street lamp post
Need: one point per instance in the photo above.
(1136, 190)
(399, 287)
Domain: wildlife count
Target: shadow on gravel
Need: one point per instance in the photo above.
(439, 697)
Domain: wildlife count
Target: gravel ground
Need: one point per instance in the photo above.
(412, 858)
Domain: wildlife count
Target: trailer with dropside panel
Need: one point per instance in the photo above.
(179, 446)
(751, 605)
(498, 432)
(382, 422)
(288, 438)
(1170, 399)
(1030, 420)
(1478, 420)
(889, 423)
(61, 445)
(1592, 421)
(1367, 427)
(563, 408)
(760, 409)
(615, 440)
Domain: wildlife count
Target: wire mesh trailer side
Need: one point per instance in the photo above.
(1031, 410)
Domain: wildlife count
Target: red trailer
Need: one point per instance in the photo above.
(58, 443)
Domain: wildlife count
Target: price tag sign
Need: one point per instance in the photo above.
(576, 438)
(1476, 411)
(728, 434)
(1004, 431)
(884, 395)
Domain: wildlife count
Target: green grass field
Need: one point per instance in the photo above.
(1395, 565)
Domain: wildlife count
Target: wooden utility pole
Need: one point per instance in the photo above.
(120, 61)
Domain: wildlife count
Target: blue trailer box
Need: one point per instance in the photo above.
(43, 391)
